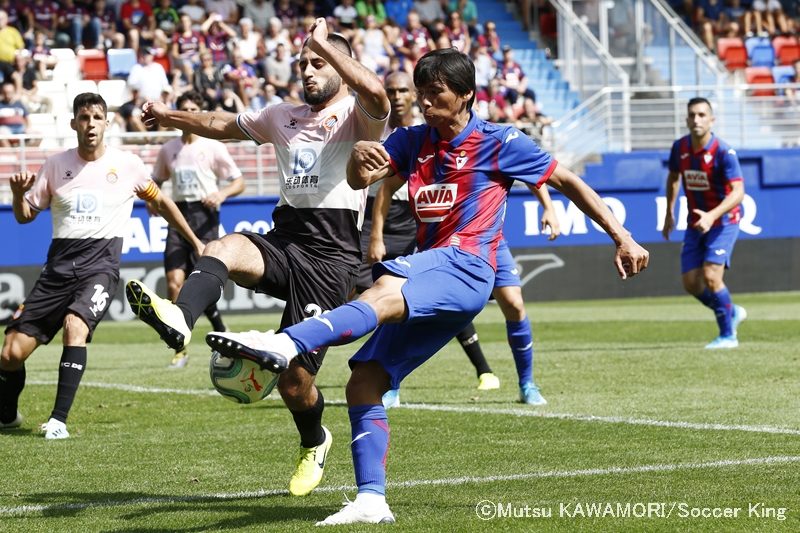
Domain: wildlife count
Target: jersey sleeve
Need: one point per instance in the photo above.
(38, 197)
(730, 165)
(521, 159)
(674, 157)
(257, 125)
(369, 128)
(397, 145)
(224, 166)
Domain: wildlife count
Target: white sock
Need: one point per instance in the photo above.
(370, 499)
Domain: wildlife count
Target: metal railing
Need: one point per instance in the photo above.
(29, 151)
(646, 118)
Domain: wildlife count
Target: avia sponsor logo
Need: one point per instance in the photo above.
(696, 180)
(434, 202)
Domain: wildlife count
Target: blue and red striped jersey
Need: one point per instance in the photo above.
(458, 189)
(707, 175)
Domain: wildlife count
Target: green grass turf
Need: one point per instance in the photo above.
(638, 412)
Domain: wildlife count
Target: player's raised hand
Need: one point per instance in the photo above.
(318, 31)
(631, 258)
(153, 112)
(21, 182)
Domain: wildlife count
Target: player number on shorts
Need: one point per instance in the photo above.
(100, 299)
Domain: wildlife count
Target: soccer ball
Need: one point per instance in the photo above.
(240, 380)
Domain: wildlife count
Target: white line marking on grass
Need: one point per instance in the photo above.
(614, 470)
(478, 410)
(607, 419)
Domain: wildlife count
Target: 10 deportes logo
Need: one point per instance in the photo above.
(489, 510)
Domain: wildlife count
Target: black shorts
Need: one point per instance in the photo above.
(397, 244)
(308, 284)
(204, 221)
(43, 311)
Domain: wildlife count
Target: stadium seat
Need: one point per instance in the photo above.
(732, 52)
(66, 67)
(120, 62)
(784, 74)
(114, 92)
(787, 50)
(758, 75)
(76, 87)
(44, 124)
(760, 52)
(55, 90)
(93, 63)
(163, 60)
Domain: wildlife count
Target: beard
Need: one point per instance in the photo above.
(327, 92)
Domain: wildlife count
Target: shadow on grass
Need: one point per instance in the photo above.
(205, 513)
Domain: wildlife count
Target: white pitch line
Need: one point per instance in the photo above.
(614, 470)
(481, 410)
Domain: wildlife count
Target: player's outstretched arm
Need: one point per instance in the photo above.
(165, 207)
(213, 125)
(673, 186)
(380, 210)
(368, 163)
(363, 81)
(630, 257)
(549, 218)
(20, 184)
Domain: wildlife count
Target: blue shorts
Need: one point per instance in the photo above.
(507, 270)
(716, 246)
(446, 289)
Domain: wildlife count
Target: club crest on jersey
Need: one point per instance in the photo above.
(461, 160)
(330, 122)
(434, 202)
(112, 177)
(708, 158)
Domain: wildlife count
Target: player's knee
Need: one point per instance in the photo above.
(14, 353)
(367, 383)
(75, 330)
(295, 386)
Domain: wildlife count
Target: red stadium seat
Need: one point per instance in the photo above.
(732, 52)
(757, 75)
(93, 64)
(787, 50)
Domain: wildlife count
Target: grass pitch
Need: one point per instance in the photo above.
(643, 427)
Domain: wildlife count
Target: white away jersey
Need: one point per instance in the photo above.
(91, 203)
(317, 207)
(195, 168)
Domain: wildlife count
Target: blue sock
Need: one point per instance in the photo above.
(370, 432)
(723, 310)
(520, 338)
(706, 298)
(344, 324)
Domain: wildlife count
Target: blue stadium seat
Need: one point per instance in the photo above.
(784, 74)
(760, 52)
(120, 61)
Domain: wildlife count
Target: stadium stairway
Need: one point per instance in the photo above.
(553, 93)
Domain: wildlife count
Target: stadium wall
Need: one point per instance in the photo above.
(576, 265)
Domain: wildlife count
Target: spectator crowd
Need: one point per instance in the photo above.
(241, 54)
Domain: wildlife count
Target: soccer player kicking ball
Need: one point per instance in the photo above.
(714, 188)
(90, 191)
(311, 256)
(459, 169)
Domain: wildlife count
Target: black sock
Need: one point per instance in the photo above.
(70, 372)
(212, 313)
(202, 288)
(11, 385)
(309, 423)
(468, 338)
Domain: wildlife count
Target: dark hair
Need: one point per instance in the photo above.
(192, 96)
(88, 100)
(699, 100)
(447, 66)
